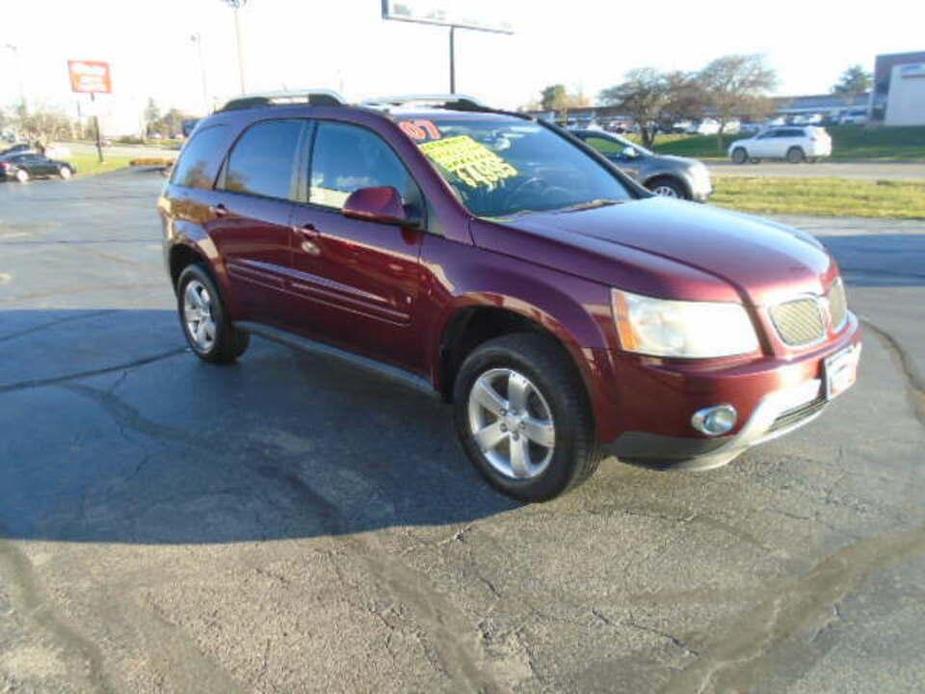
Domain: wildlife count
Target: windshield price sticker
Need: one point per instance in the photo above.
(470, 161)
(419, 130)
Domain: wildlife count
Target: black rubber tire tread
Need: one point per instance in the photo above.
(744, 159)
(544, 361)
(801, 153)
(229, 343)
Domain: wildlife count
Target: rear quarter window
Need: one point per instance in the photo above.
(198, 163)
(262, 161)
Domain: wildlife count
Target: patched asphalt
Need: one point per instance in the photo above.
(289, 523)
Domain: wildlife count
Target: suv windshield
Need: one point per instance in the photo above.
(506, 166)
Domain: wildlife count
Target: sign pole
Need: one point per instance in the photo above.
(96, 126)
(452, 59)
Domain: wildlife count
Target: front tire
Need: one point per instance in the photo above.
(65, 172)
(523, 417)
(668, 188)
(205, 322)
(739, 155)
(795, 155)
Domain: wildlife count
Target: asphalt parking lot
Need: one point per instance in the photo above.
(290, 524)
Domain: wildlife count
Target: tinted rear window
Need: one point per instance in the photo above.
(262, 161)
(195, 169)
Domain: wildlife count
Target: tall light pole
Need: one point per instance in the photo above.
(197, 39)
(236, 5)
(22, 92)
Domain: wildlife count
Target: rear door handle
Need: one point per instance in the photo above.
(218, 210)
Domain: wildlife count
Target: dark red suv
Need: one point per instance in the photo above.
(497, 261)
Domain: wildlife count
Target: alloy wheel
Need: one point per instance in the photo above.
(511, 423)
(197, 314)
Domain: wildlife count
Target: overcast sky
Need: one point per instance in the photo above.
(346, 45)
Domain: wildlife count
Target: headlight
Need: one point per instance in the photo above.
(689, 329)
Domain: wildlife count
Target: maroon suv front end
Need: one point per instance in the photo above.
(699, 410)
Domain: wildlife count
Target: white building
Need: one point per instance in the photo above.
(905, 103)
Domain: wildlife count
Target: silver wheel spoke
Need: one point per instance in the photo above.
(516, 435)
(520, 457)
(540, 432)
(201, 334)
(487, 397)
(518, 388)
(489, 437)
(192, 297)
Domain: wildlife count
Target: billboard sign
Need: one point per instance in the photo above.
(89, 76)
(480, 15)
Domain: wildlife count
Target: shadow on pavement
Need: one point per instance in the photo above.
(110, 431)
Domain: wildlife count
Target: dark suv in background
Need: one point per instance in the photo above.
(508, 267)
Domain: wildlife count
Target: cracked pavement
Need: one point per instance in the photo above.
(290, 524)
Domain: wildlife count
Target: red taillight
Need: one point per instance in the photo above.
(4, 166)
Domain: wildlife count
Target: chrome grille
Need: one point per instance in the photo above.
(799, 322)
(838, 304)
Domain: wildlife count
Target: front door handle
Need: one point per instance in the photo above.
(309, 236)
(218, 210)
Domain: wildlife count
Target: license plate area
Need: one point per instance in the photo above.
(841, 371)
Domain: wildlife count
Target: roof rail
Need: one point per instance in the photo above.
(456, 102)
(312, 97)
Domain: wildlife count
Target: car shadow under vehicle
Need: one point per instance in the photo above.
(110, 431)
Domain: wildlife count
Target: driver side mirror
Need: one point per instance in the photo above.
(629, 152)
(381, 204)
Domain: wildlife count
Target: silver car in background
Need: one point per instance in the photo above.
(675, 177)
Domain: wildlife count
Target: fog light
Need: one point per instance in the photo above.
(714, 421)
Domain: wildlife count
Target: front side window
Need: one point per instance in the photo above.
(501, 166)
(262, 161)
(195, 163)
(346, 158)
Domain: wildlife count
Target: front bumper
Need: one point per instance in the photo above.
(771, 402)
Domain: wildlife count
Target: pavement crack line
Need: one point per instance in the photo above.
(17, 571)
(446, 628)
(56, 380)
(744, 653)
(915, 384)
(53, 323)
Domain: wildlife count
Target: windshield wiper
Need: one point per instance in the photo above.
(590, 205)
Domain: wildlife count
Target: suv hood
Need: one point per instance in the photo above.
(763, 261)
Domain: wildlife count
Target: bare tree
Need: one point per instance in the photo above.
(737, 86)
(643, 95)
(686, 99)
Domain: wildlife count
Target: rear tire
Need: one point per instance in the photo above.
(204, 320)
(65, 172)
(739, 155)
(537, 431)
(795, 155)
(22, 175)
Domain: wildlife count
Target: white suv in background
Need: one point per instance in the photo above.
(793, 143)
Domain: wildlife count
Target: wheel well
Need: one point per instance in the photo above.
(180, 257)
(473, 326)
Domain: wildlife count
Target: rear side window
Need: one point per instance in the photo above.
(262, 161)
(346, 158)
(197, 160)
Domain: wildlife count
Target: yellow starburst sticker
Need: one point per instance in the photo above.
(470, 161)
